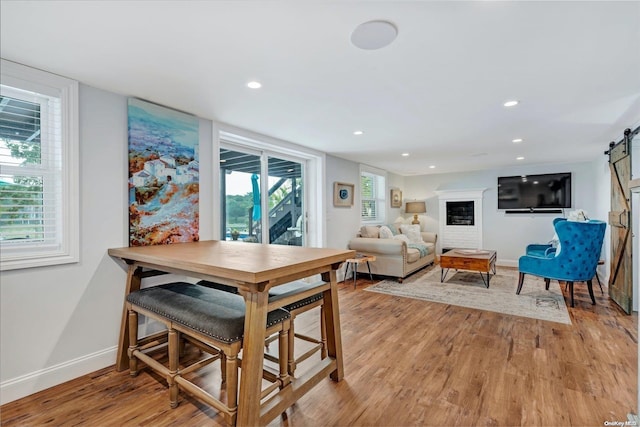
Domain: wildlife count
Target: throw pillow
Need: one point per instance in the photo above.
(555, 243)
(412, 232)
(402, 237)
(385, 232)
(370, 231)
(393, 228)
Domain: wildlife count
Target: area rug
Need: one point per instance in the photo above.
(466, 289)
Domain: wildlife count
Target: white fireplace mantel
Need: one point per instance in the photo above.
(461, 236)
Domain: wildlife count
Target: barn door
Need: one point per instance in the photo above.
(620, 284)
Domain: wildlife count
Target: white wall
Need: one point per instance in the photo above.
(342, 222)
(509, 234)
(53, 317)
(57, 323)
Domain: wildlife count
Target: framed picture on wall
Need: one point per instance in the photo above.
(396, 198)
(342, 194)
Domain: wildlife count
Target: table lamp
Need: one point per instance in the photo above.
(416, 208)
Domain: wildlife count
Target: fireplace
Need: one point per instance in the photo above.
(460, 213)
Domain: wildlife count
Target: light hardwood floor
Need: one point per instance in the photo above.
(407, 363)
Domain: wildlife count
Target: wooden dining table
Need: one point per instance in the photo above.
(253, 268)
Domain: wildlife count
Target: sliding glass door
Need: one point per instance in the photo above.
(286, 207)
(246, 213)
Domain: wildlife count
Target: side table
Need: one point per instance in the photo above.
(354, 263)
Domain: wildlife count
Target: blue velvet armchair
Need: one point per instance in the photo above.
(543, 250)
(575, 261)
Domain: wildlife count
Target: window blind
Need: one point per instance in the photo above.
(38, 155)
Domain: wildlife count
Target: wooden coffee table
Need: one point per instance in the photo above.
(480, 260)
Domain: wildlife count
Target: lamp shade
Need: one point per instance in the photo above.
(416, 207)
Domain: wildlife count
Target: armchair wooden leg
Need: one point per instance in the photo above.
(590, 287)
(520, 282)
(546, 283)
(571, 290)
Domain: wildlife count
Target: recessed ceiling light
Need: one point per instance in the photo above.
(432, 167)
(520, 158)
(517, 140)
(358, 132)
(511, 103)
(254, 85)
(374, 35)
(405, 154)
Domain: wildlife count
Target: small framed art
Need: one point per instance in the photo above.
(396, 198)
(342, 194)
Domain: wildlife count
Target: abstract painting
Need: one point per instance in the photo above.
(164, 187)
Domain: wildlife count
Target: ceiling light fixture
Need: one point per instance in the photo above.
(358, 132)
(405, 154)
(432, 167)
(374, 35)
(254, 85)
(517, 140)
(511, 103)
(520, 158)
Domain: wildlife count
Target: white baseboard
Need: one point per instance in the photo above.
(22, 386)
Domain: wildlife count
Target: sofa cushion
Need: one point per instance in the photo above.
(385, 232)
(413, 255)
(394, 228)
(371, 231)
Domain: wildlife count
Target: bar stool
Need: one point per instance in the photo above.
(214, 321)
(296, 297)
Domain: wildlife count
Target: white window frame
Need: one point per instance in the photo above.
(381, 187)
(66, 250)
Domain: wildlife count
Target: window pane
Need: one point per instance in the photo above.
(21, 208)
(19, 132)
(369, 209)
(240, 180)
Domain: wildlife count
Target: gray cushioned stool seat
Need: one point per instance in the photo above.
(277, 292)
(213, 312)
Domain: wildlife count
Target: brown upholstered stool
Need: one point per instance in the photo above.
(214, 321)
(296, 297)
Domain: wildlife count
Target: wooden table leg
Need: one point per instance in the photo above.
(253, 352)
(133, 284)
(332, 322)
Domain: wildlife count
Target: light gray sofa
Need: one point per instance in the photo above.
(393, 257)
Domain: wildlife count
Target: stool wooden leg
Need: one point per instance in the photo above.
(133, 342)
(291, 362)
(174, 351)
(223, 367)
(284, 347)
(232, 386)
(323, 334)
(355, 274)
(547, 281)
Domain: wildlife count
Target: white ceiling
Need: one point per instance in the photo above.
(436, 92)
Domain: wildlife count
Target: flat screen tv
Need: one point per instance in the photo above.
(552, 190)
